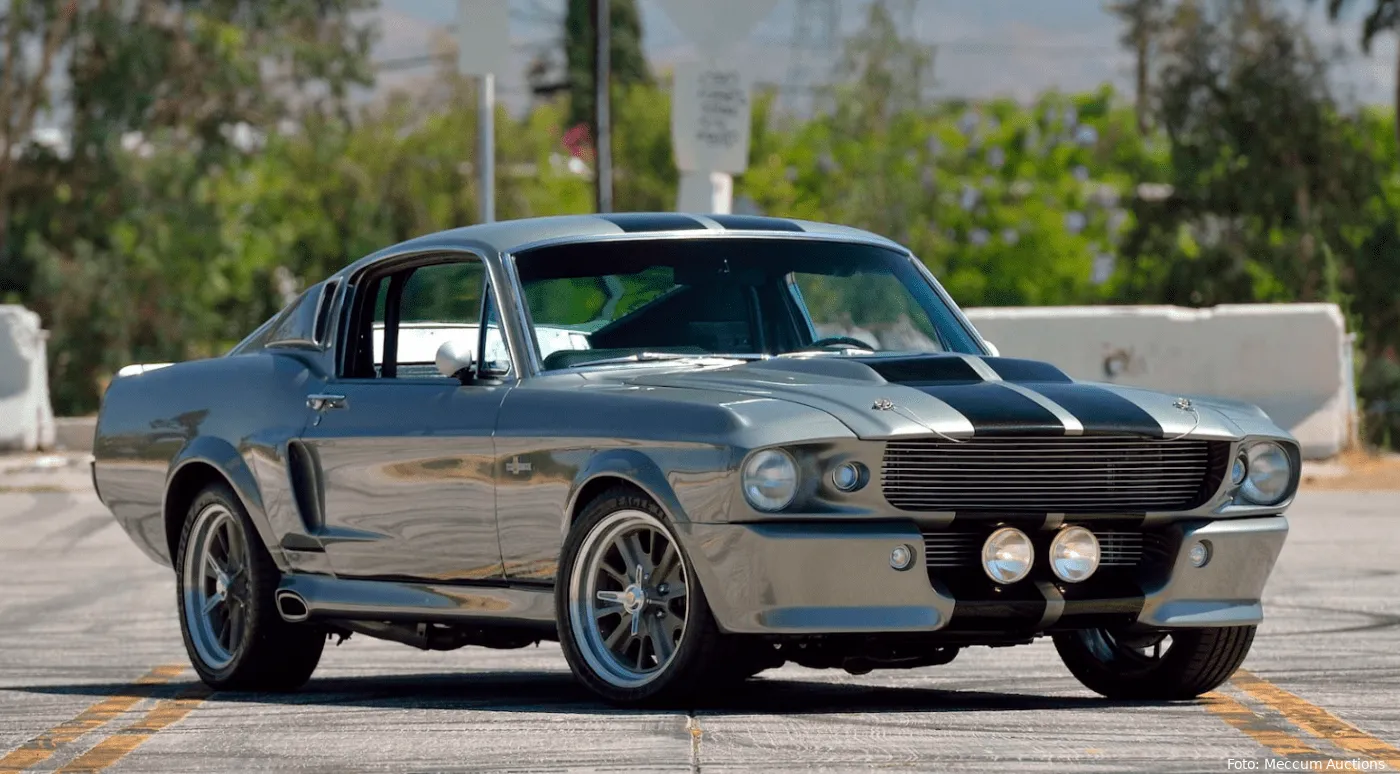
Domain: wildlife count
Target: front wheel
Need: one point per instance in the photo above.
(1159, 666)
(633, 620)
(226, 582)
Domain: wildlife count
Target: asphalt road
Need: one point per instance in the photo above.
(93, 678)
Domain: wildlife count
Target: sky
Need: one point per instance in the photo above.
(984, 48)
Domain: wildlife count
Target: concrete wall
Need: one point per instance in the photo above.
(26, 416)
(1292, 360)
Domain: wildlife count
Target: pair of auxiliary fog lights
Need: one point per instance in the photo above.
(1007, 555)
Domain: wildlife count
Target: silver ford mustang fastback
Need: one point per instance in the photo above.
(690, 448)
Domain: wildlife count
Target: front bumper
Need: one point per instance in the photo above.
(829, 578)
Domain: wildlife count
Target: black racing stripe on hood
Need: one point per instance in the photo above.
(995, 410)
(653, 221)
(1017, 370)
(1100, 411)
(755, 223)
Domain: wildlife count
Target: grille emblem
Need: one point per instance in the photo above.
(883, 404)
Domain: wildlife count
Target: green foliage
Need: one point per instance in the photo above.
(1248, 183)
(628, 65)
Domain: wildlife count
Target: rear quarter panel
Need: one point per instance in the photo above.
(234, 413)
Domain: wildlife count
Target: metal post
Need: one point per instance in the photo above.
(602, 76)
(486, 153)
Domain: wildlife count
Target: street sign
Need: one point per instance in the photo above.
(715, 25)
(483, 36)
(710, 117)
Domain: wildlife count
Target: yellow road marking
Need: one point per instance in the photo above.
(1244, 719)
(1316, 720)
(120, 744)
(43, 746)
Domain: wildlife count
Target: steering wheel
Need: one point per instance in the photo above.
(844, 342)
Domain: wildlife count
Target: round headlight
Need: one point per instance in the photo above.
(1007, 555)
(770, 480)
(1074, 554)
(848, 476)
(1266, 482)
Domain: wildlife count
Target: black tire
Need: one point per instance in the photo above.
(700, 654)
(1198, 661)
(271, 654)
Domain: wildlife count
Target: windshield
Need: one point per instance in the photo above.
(600, 301)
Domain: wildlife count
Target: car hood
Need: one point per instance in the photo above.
(958, 396)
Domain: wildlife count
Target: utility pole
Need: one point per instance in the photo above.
(602, 77)
(486, 154)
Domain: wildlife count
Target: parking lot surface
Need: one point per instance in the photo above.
(93, 677)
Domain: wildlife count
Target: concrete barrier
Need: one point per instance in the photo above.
(74, 434)
(26, 416)
(1291, 360)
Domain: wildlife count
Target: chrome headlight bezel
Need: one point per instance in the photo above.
(1269, 474)
(770, 480)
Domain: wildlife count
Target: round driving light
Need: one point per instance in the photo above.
(1199, 554)
(770, 480)
(848, 476)
(1074, 554)
(902, 557)
(1266, 482)
(1007, 555)
(1238, 470)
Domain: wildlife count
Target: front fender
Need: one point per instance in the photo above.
(641, 470)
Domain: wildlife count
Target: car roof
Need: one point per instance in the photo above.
(513, 235)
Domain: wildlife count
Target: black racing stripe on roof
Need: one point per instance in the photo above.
(755, 223)
(653, 221)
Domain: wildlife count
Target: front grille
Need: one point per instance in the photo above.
(954, 550)
(1093, 474)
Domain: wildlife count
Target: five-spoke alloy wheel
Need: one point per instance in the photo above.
(628, 598)
(226, 581)
(216, 586)
(633, 621)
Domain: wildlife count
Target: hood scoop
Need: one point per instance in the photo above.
(916, 370)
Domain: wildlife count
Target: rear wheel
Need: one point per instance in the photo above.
(1182, 664)
(633, 620)
(225, 586)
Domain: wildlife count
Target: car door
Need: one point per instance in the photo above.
(406, 455)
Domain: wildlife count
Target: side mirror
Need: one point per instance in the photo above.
(993, 348)
(456, 359)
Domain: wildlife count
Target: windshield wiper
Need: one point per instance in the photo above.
(653, 357)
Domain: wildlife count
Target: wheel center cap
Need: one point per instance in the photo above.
(634, 598)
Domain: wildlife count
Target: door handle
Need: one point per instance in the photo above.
(322, 402)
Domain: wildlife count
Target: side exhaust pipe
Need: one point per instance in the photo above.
(292, 607)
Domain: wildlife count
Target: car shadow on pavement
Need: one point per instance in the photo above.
(558, 693)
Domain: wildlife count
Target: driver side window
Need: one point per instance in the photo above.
(416, 310)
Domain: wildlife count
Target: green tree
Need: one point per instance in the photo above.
(628, 64)
(1382, 16)
(34, 34)
(109, 228)
(1143, 21)
(1270, 182)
